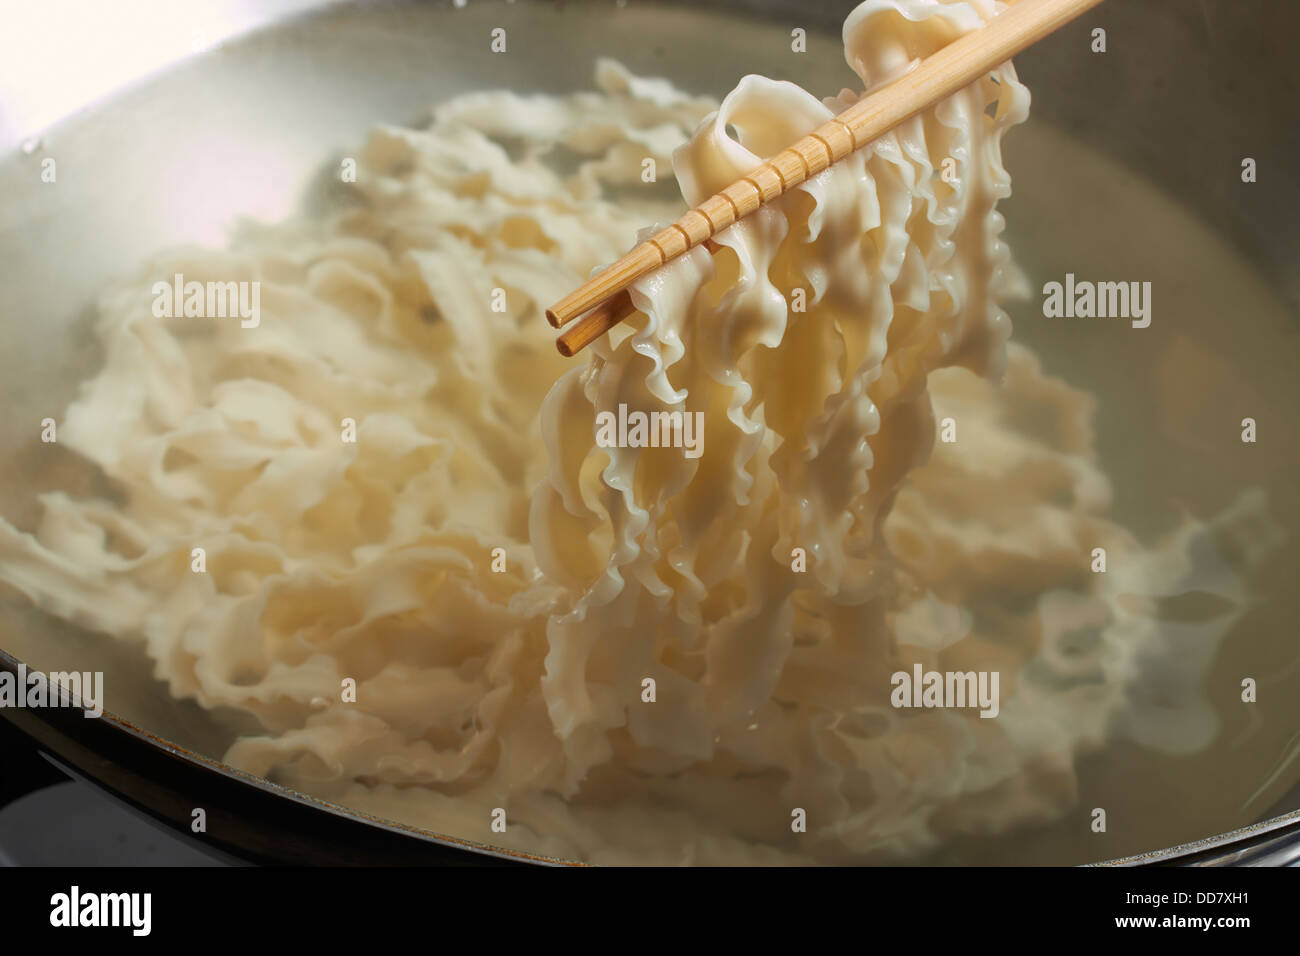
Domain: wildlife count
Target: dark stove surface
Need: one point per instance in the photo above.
(75, 824)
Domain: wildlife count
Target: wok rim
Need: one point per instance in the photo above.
(210, 765)
(1217, 849)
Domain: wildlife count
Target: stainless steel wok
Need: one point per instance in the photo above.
(169, 124)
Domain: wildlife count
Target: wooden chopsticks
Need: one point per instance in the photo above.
(601, 319)
(957, 65)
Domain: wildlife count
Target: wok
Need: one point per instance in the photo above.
(167, 134)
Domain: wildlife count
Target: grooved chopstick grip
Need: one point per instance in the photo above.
(941, 74)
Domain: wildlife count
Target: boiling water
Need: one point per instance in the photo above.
(1171, 400)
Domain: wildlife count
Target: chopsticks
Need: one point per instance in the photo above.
(941, 74)
(601, 319)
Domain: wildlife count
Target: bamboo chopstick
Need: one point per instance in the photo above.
(941, 74)
(595, 324)
(602, 318)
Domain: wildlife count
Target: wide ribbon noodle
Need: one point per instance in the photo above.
(501, 587)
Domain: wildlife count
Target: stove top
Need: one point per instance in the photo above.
(74, 824)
